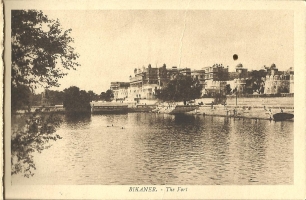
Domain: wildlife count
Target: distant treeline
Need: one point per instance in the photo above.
(73, 99)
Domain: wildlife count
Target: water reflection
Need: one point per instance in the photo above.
(184, 119)
(166, 149)
(78, 118)
(76, 121)
(31, 133)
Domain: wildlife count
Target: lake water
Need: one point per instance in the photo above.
(150, 148)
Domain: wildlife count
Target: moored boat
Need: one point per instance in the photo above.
(282, 116)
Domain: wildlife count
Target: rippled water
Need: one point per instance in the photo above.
(149, 148)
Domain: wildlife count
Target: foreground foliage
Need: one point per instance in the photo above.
(41, 53)
(33, 137)
(41, 49)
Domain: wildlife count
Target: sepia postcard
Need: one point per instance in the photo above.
(152, 99)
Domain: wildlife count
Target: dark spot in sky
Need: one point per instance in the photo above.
(235, 57)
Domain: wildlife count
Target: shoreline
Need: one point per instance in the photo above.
(244, 112)
(257, 115)
(231, 111)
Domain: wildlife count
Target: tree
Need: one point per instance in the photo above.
(35, 99)
(41, 49)
(20, 97)
(222, 75)
(33, 137)
(181, 88)
(256, 80)
(107, 96)
(41, 54)
(76, 100)
(250, 86)
(220, 99)
(93, 96)
(228, 89)
(55, 97)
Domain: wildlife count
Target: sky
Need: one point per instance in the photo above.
(112, 43)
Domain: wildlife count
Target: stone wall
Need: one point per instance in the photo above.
(261, 101)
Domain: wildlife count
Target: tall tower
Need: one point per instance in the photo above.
(45, 98)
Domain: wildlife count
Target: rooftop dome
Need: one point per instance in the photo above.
(239, 66)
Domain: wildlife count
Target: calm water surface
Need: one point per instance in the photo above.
(149, 148)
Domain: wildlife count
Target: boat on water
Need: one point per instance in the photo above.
(282, 116)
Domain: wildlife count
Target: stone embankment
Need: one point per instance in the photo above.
(256, 107)
(255, 112)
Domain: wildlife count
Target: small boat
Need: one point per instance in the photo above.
(282, 116)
